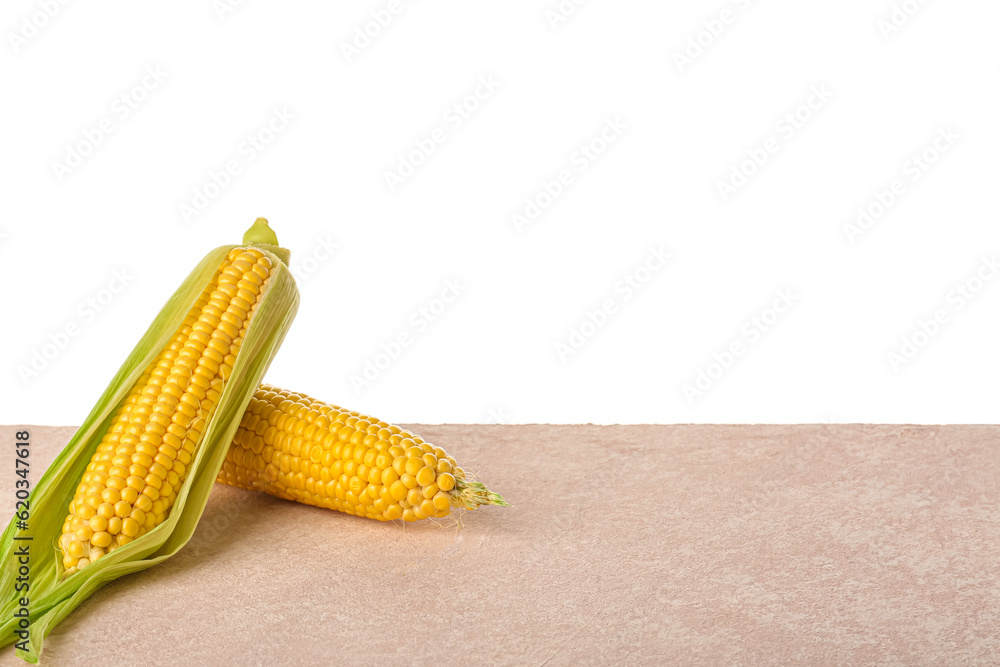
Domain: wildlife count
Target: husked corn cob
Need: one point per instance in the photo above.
(132, 480)
(294, 447)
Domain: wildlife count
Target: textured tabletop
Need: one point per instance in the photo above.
(643, 545)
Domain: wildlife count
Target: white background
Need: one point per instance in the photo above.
(492, 354)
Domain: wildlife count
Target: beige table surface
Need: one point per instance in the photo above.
(647, 545)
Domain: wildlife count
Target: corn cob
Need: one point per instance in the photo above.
(133, 477)
(137, 474)
(294, 447)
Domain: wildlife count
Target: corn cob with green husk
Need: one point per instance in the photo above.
(136, 476)
(294, 447)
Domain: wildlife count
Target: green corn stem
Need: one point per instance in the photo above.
(260, 235)
(471, 495)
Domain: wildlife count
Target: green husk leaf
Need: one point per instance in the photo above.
(51, 599)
